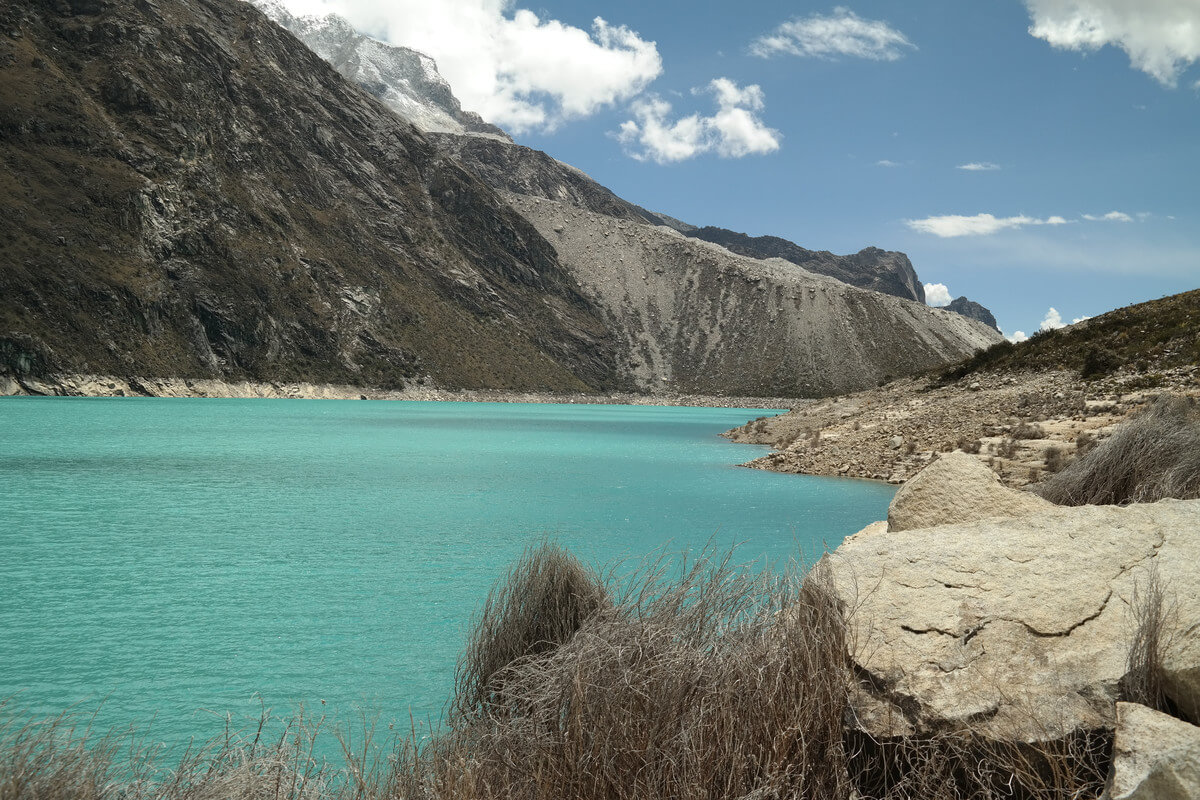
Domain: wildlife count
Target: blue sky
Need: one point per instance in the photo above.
(863, 117)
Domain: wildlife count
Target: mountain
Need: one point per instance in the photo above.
(406, 81)
(969, 308)
(190, 192)
(878, 270)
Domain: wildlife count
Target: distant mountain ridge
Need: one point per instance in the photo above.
(969, 308)
(871, 268)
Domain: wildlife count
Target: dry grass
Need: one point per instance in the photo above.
(1154, 615)
(720, 683)
(545, 598)
(1153, 455)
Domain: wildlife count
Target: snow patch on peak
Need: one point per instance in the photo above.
(405, 80)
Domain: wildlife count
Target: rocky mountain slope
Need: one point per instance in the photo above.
(190, 192)
(871, 268)
(693, 317)
(408, 82)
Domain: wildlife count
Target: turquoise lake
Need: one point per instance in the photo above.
(168, 558)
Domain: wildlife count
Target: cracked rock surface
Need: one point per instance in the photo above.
(1155, 756)
(1018, 627)
(957, 488)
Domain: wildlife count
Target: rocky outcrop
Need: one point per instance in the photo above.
(1017, 628)
(193, 193)
(969, 308)
(957, 488)
(693, 317)
(1155, 756)
(871, 268)
(406, 81)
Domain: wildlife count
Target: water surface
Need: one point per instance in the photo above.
(169, 555)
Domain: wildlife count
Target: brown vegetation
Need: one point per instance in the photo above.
(1153, 455)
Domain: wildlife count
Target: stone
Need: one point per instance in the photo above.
(896, 442)
(1155, 756)
(1181, 666)
(957, 487)
(1016, 627)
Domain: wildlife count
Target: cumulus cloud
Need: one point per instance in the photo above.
(936, 294)
(1052, 321)
(979, 166)
(953, 225)
(1017, 337)
(509, 65)
(1112, 216)
(735, 130)
(842, 33)
(1161, 37)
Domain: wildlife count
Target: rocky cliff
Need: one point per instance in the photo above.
(870, 268)
(408, 82)
(969, 308)
(189, 191)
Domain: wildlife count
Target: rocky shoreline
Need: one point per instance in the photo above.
(112, 386)
(1024, 426)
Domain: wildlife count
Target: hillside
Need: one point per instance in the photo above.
(1145, 338)
(1023, 409)
(190, 192)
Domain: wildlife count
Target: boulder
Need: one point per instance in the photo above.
(1016, 627)
(1181, 666)
(1155, 756)
(957, 487)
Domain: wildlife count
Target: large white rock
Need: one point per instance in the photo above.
(1018, 627)
(957, 488)
(1155, 756)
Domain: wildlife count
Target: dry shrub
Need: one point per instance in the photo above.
(1154, 614)
(1029, 430)
(1055, 459)
(1154, 454)
(962, 765)
(721, 683)
(62, 758)
(545, 598)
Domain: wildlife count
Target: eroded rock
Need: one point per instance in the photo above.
(1017, 627)
(1155, 756)
(957, 488)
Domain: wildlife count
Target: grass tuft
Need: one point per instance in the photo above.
(1153, 455)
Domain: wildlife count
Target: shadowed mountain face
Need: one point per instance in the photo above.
(189, 191)
(872, 268)
(969, 308)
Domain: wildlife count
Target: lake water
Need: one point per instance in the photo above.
(173, 557)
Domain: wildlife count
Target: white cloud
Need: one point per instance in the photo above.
(1052, 321)
(979, 166)
(735, 130)
(883, 162)
(1161, 37)
(1018, 337)
(1079, 319)
(1112, 216)
(936, 294)
(512, 67)
(952, 225)
(842, 33)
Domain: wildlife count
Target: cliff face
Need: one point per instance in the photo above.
(878, 270)
(189, 191)
(969, 308)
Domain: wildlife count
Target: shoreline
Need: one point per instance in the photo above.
(76, 385)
